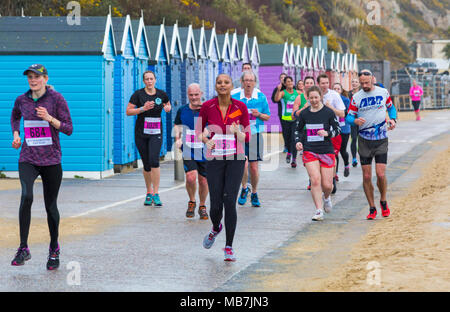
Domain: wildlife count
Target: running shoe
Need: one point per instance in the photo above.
(22, 255)
(372, 214)
(337, 178)
(243, 197)
(327, 205)
(190, 212)
(157, 200)
(418, 118)
(309, 186)
(334, 186)
(346, 171)
(202, 212)
(285, 150)
(229, 254)
(255, 200)
(53, 259)
(385, 212)
(318, 216)
(294, 163)
(148, 200)
(209, 239)
(288, 158)
(354, 162)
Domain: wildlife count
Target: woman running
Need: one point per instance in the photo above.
(287, 98)
(416, 93)
(148, 104)
(317, 125)
(45, 114)
(345, 131)
(354, 128)
(227, 122)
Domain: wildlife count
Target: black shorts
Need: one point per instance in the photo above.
(369, 149)
(190, 165)
(254, 150)
(149, 149)
(416, 105)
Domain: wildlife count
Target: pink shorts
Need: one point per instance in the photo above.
(325, 160)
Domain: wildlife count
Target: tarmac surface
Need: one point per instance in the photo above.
(110, 241)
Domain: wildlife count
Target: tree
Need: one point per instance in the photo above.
(446, 50)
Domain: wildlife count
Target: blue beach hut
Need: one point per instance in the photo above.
(124, 87)
(188, 68)
(236, 61)
(225, 48)
(202, 59)
(255, 57)
(213, 63)
(159, 64)
(80, 61)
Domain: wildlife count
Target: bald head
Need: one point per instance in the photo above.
(194, 93)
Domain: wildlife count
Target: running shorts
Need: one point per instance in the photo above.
(149, 149)
(368, 149)
(200, 166)
(416, 105)
(337, 141)
(254, 149)
(325, 160)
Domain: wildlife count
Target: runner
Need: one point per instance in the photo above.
(345, 131)
(193, 151)
(354, 128)
(300, 87)
(317, 125)
(333, 100)
(45, 114)
(301, 101)
(258, 111)
(288, 97)
(227, 121)
(416, 93)
(237, 82)
(281, 87)
(368, 111)
(148, 104)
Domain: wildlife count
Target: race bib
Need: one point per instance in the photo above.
(191, 139)
(341, 121)
(37, 133)
(251, 118)
(311, 132)
(289, 107)
(416, 92)
(152, 125)
(225, 145)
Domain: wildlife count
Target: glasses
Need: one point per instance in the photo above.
(364, 73)
(249, 80)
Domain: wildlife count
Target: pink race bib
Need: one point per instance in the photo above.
(37, 133)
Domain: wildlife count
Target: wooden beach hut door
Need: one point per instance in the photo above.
(108, 116)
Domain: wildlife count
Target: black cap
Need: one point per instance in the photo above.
(37, 69)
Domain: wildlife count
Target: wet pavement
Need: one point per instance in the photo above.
(141, 248)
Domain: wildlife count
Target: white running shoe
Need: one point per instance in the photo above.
(318, 216)
(327, 205)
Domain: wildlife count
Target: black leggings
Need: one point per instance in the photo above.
(289, 136)
(343, 150)
(353, 145)
(51, 181)
(224, 180)
(149, 149)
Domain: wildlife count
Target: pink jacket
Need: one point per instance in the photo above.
(415, 93)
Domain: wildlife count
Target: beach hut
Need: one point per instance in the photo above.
(188, 68)
(304, 62)
(255, 57)
(236, 61)
(316, 68)
(225, 48)
(202, 59)
(310, 62)
(142, 50)
(291, 62)
(213, 61)
(159, 64)
(298, 63)
(344, 72)
(80, 61)
(322, 63)
(330, 67)
(124, 86)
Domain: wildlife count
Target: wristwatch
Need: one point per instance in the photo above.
(141, 109)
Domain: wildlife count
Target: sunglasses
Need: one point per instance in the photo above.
(364, 73)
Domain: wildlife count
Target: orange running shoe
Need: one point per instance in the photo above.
(385, 212)
(373, 213)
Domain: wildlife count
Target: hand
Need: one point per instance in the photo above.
(392, 124)
(322, 133)
(234, 128)
(42, 113)
(16, 142)
(210, 144)
(359, 121)
(255, 112)
(148, 105)
(280, 85)
(299, 146)
(167, 107)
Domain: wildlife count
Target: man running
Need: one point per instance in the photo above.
(258, 111)
(333, 100)
(193, 151)
(368, 111)
(354, 129)
(280, 87)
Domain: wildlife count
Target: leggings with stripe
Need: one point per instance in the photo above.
(224, 181)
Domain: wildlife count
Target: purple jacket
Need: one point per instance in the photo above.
(47, 151)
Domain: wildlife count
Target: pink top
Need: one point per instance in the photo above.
(415, 93)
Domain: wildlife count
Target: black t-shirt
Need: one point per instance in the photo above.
(309, 123)
(139, 98)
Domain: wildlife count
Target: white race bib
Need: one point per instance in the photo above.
(152, 125)
(311, 132)
(191, 139)
(225, 144)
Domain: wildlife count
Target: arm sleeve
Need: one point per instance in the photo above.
(299, 130)
(335, 129)
(16, 115)
(134, 99)
(352, 112)
(178, 117)
(273, 95)
(64, 116)
(265, 106)
(245, 122)
(411, 92)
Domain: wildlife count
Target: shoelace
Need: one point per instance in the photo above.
(229, 251)
(20, 251)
